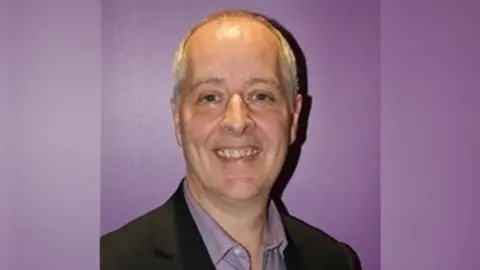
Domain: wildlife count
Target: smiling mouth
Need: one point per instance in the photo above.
(231, 154)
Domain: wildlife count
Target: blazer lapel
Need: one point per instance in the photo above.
(303, 254)
(182, 247)
(292, 257)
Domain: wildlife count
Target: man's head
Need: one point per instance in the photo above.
(235, 104)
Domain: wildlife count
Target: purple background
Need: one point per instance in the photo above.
(50, 91)
(336, 186)
(52, 54)
(430, 135)
(5, 172)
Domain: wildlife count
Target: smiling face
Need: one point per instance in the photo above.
(234, 120)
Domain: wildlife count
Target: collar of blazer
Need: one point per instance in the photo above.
(179, 239)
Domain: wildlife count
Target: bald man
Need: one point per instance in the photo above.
(235, 107)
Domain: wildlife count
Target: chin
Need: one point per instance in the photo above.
(244, 188)
(240, 195)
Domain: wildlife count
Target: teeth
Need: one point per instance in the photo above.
(237, 153)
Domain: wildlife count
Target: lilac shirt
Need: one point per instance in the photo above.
(226, 253)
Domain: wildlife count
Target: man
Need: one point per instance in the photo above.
(235, 107)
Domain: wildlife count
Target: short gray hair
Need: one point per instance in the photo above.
(286, 54)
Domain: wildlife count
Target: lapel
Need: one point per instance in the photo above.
(304, 254)
(292, 257)
(179, 245)
(292, 253)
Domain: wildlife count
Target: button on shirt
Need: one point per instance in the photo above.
(226, 253)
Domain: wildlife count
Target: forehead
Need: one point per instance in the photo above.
(232, 45)
(233, 28)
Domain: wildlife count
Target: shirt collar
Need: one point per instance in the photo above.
(218, 242)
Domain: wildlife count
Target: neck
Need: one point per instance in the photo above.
(246, 222)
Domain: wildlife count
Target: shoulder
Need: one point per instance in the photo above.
(317, 246)
(122, 247)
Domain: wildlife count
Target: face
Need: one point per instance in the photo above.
(234, 120)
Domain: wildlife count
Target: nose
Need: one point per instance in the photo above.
(237, 119)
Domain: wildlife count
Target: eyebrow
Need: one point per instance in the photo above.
(209, 80)
(251, 81)
(262, 80)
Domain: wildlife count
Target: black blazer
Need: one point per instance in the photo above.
(167, 238)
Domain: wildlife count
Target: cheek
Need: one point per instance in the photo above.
(197, 129)
(275, 128)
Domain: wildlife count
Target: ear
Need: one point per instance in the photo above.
(175, 112)
(296, 114)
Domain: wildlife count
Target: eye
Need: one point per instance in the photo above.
(262, 96)
(209, 98)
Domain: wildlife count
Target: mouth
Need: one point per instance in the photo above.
(243, 153)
